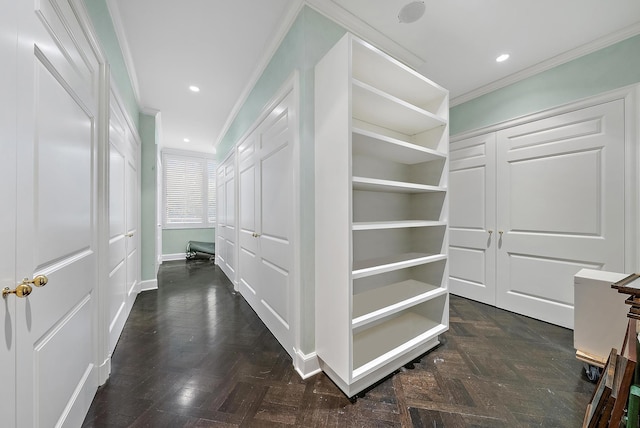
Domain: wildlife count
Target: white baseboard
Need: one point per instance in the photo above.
(149, 284)
(172, 257)
(306, 365)
(104, 370)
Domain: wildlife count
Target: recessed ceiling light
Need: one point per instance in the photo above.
(186, 140)
(411, 12)
(502, 58)
(193, 88)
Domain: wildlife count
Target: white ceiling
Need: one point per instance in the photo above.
(223, 45)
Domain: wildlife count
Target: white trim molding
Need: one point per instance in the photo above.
(269, 52)
(174, 257)
(550, 63)
(306, 365)
(121, 35)
(147, 285)
(360, 28)
(104, 370)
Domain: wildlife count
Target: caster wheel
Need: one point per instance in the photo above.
(592, 372)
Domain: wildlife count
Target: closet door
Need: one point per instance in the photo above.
(266, 220)
(53, 330)
(8, 214)
(472, 237)
(560, 201)
(123, 222)
(227, 220)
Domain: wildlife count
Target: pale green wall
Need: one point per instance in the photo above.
(309, 38)
(174, 241)
(103, 25)
(149, 187)
(609, 68)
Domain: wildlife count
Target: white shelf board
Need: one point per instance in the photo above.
(374, 106)
(401, 224)
(375, 346)
(391, 75)
(381, 146)
(379, 185)
(370, 267)
(384, 301)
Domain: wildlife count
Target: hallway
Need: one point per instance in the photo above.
(194, 354)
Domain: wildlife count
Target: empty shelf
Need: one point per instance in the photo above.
(376, 225)
(397, 261)
(377, 345)
(376, 184)
(381, 146)
(374, 106)
(384, 301)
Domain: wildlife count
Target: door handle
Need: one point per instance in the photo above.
(129, 235)
(490, 232)
(501, 232)
(24, 288)
(255, 235)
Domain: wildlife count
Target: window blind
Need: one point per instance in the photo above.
(189, 191)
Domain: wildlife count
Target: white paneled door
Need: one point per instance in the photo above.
(49, 190)
(8, 176)
(265, 192)
(533, 204)
(472, 237)
(123, 222)
(226, 219)
(560, 205)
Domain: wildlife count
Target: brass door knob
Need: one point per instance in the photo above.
(38, 281)
(24, 288)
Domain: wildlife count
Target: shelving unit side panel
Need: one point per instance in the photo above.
(333, 208)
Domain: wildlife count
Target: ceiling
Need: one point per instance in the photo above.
(222, 46)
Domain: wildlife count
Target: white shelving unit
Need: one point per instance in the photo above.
(381, 153)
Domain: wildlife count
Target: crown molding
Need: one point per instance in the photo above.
(340, 16)
(550, 63)
(358, 27)
(285, 26)
(149, 111)
(121, 35)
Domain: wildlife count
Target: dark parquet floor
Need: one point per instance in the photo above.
(194, 354)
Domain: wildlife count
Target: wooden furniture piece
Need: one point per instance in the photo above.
(612, 394)
(381, 167)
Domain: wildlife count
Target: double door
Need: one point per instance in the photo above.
(50, 84)
(265, 269)
(532, 204)
(226, 218)
(124, 193)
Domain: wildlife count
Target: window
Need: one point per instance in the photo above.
(189, 190)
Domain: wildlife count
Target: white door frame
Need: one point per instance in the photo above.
(631, 96)
(107, 89)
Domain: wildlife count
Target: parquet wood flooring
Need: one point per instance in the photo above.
(194, 354)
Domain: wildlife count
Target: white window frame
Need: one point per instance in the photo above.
(209, 219)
